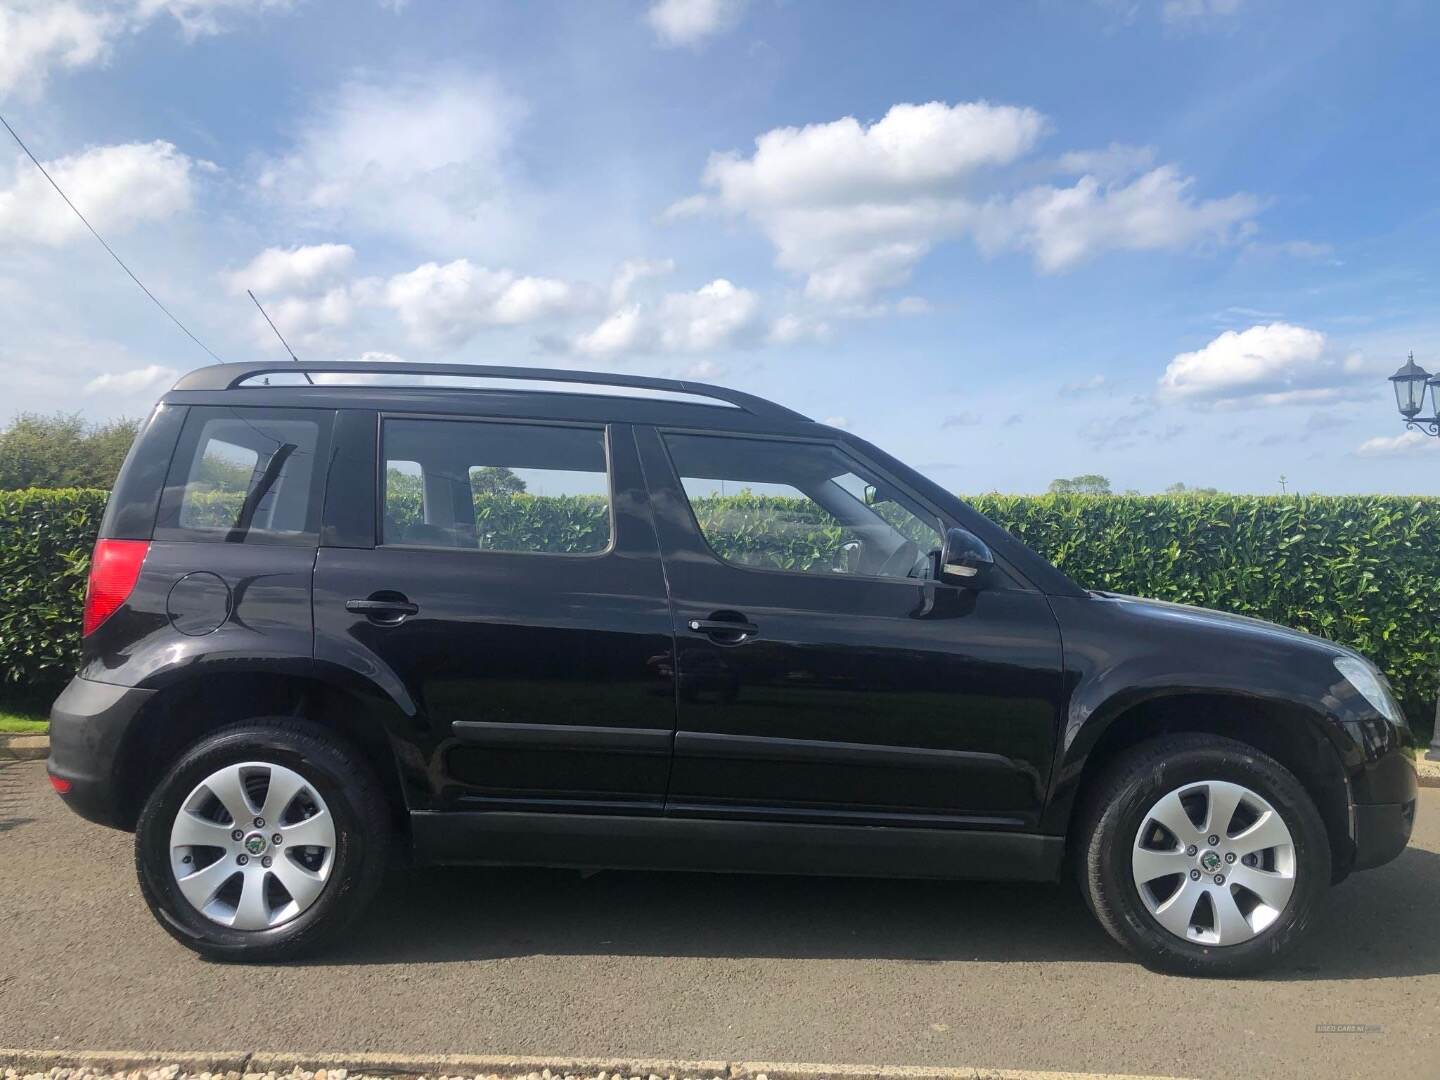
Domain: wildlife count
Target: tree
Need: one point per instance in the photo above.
(1182, 489)
(495, 480)
(63, 450)
(1088, 484)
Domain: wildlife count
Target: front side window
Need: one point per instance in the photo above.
(245, 475)
(493, 486)
(802, 507)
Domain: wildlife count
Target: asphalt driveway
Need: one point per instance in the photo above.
(697, 966)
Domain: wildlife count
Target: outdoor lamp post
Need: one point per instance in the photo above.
(1410, 383)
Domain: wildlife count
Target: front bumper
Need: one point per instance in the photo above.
(1381, 832)
(88, 724)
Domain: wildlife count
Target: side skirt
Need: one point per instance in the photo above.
(583, 841)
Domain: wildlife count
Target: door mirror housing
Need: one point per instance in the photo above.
(966, 560)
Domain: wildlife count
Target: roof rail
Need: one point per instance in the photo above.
(231, 376)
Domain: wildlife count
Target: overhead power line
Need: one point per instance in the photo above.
(154, 299)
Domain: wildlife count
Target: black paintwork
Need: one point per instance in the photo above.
(552, 708)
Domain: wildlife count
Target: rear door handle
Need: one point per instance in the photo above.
(382, 610)
(725, 628)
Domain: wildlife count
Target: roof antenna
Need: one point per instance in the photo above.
(280, 336)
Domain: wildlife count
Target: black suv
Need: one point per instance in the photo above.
(512, 616)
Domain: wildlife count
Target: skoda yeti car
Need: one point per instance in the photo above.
(344, 614)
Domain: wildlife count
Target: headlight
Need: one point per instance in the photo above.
(1371, 686)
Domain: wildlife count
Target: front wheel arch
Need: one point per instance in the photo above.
(1293, 736)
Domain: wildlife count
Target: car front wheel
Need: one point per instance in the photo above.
(1203, 856)
(262, 841)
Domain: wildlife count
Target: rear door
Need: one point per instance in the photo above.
(509, 593)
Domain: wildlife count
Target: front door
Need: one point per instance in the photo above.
(515, 601)
(823, 673)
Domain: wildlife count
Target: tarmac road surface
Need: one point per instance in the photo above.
(682, 966)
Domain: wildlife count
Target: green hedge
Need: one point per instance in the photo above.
(45, 541)
(1360, 570)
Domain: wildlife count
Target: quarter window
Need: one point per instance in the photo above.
(803, 507)
(489, 486)
(245, 475)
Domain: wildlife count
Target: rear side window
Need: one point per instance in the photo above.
(246, 475)
(495, 486)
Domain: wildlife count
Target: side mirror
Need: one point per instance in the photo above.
(966, 560)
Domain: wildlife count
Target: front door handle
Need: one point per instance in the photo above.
(382, 610)
(725, 631)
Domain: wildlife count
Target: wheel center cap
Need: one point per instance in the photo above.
(256, 843)
(1209, 862)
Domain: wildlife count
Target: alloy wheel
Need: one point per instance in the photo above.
(1214, 863)
(252, 846)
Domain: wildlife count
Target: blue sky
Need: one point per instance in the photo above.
(1162, 240)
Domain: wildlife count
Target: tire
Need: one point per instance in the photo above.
(343, 868)
(1153, 783)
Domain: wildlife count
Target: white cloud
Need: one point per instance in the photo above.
(116, 187)
(690, 206)
(307, 318)
(1183, 12)
(716, 316)
(691, 22)
(1093, 384)
(621, 332)
(1404, 444)
(968, 418)
(423, 159)
(912, 150)
(1272, 364)
(149, 380)
(197, 17)
(448, 304)
(633, 271)
(789, 329)
(837, 421)
(854, 207)
(1156, 211)
(1116, 162)
(294, 269)
(40, 35)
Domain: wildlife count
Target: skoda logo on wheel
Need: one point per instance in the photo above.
(1210, 861)
(255, 844)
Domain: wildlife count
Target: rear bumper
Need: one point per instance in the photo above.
(88, 724)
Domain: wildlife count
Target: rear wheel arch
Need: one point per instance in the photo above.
(1291, 734)
(187, 710)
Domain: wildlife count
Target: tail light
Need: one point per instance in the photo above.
(62, 787)
(114, 569)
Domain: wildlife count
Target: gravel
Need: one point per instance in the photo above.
(175, 1072)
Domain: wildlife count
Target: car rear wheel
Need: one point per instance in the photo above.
(264, 839)
(1203, 856)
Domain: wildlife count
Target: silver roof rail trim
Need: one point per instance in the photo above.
(232, 376)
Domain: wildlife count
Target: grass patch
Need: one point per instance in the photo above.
(19, 723)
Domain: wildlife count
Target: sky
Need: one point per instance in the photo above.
(1167, 241)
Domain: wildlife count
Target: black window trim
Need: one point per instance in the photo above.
(605, 427)
(940, 517)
